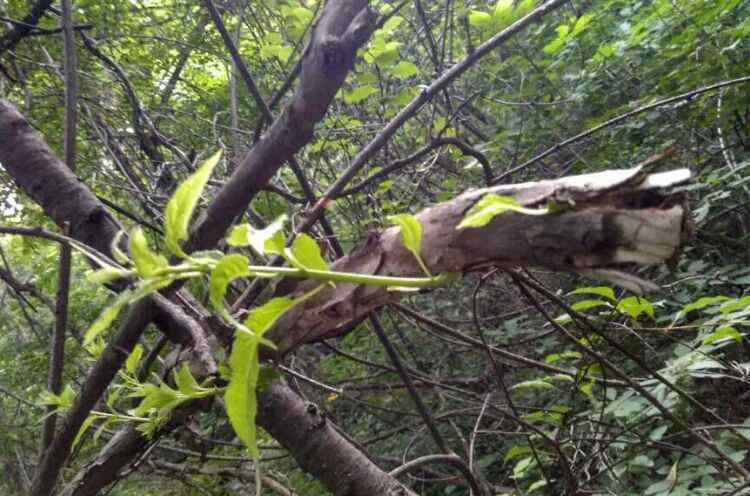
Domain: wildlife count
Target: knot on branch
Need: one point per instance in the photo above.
(361, 28)
(318, 417)
(333, 55)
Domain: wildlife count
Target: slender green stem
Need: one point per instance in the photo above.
(375, 280)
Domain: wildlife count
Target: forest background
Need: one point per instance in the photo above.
(521, 377)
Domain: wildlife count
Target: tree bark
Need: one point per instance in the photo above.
(321, 450)
(609, 219)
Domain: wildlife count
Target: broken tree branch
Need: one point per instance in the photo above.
(605, 220)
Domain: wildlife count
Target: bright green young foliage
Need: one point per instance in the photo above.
(131, 364)
(305, 253)
(604, 291)
(405, 69)
(635, 306)
(125, 298)
(359, 94)
(490, 206)
(147, 263)
(107, 274)
(182, 204)
(726, 332)
(106, 318)
(411, 235)
(229, 268)
(479, 19)
(269, 240)
(240, 397)
(62, 402)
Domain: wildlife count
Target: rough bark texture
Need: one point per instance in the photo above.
(610, 218)
(343, 26)
(121, 450)
(321, 450)
(46, 179)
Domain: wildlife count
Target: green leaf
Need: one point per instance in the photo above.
(555, 45)
(119, 255)
(262, 318)
(104, 320)
(240, 397)
(537, 485)
(492, 205)
(392, 23)
(405, 69)
(524, 7)
(158, 400)
(604, 291)
(267, 240)
(67, 396)
(230, 267)
(503, 10)
(554, 357)
(635, 306)
(727, 332)
(411, 236)
(479, 19)
(107, 274)
(131, 364)
(359, 94)
(587, 304)
(238, 236)
(658, 433)
(147, 263)
(641, 461)
(62, 401)
(305, 254)
(581, 23)
(515, 452)
(180, 207)
(703, 302)
(519, 471)
(534, 384)
(734, 305)
(84, 427)
(663, 487)
(100, 430)
(184, 380)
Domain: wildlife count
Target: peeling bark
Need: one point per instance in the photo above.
(607, 219)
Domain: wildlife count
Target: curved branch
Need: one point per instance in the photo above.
(25, 27)
(417, 103)
(399, 164)
(616, 120)
(452, 460)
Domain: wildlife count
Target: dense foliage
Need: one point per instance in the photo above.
(542, 383)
